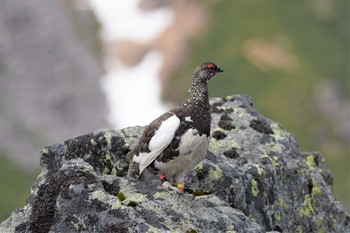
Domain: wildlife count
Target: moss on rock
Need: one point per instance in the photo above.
(254, 179)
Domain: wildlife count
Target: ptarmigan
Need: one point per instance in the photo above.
(178, 140)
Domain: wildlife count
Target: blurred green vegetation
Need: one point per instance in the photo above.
(15, 186)
(278, 52)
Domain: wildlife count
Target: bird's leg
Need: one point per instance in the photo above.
(180, 187)
(180, 178)
(166, 183)
(162, 178)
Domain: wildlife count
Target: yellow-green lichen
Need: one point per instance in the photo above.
(277, 216)
(130, 131)
(154, 207)
(277, 131)
(234, 144)
(214, 144)
(224, 108)
(78, 226)
(108, 157)
(275, 161)
(162, 195)
(27, 209)
(217, 99)
(240, 113)
(114, 171)
(180, 226)
(281, 203)
(315, 187)
(89, 168)
(102, 196)
(270, 146)
(299, 230)
(249, 165)
(216, 172)
(307, 209)
(230, 229)
(255, 190)
(265, 155)
(136, 197)
(260, 170)
(198, 168)
(334, 220)
(98, 194)
(320, 225)
(213, 199)
(108, 160)
(75, 225)
(310, 162)
(175, 206)
(93, 142)
(108, 138)
(82, 166)
(115, 205)
(151, 229)
(78, 223)
(45, 150)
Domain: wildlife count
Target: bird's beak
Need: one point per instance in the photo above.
(218, 70)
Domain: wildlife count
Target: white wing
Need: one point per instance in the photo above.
(161, 139)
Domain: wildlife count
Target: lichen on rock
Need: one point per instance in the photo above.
(254, 179)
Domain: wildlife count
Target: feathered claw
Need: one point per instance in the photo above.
(166, 184)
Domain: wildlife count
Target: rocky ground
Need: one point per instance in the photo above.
(254, 179)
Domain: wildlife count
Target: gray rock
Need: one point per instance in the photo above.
(254, 179)
(49, 76)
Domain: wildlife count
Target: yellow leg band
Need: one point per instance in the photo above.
(180, 186)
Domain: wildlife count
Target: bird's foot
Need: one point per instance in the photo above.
(166, 184)
(180, 187)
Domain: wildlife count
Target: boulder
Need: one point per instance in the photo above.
(254, 179)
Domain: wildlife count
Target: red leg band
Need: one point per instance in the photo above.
(162, 177)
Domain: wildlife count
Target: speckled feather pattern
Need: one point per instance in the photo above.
(195, 117)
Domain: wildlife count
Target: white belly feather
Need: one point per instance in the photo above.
(192, 150)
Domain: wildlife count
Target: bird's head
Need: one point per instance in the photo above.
(206, 71)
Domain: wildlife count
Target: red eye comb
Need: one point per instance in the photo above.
(211, 66)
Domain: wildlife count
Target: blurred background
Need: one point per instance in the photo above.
(75, 66)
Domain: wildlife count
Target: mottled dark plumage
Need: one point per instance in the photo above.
(189, 123)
